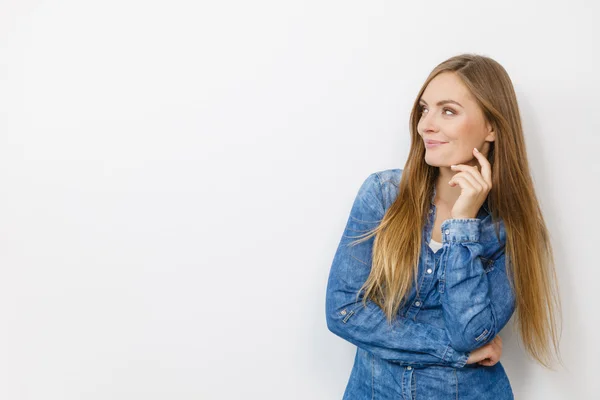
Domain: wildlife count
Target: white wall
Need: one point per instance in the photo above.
(175, 177)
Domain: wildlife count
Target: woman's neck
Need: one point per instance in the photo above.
(446, 195)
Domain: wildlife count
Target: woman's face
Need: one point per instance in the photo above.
(451, 115)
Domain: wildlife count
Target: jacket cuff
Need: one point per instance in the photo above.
(457, 359)
(461, 230)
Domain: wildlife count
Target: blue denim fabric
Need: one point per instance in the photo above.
(463, 299)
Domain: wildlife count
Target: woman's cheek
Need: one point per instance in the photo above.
(459, 129)
(452, 131)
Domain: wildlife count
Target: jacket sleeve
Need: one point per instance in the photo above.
(405, 341)
(477, 300)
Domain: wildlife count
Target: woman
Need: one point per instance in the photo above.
(448, 249)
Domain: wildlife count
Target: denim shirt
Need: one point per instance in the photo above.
(463, 301)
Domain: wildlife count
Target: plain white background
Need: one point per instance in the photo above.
(175, 177)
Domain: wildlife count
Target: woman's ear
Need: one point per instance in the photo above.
(491, 136)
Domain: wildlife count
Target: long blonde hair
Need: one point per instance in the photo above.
(512, 199)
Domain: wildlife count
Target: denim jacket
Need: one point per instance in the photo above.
(464, 300)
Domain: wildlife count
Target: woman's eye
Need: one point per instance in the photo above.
(423, 109)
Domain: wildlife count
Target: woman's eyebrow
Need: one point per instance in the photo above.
(442, 102)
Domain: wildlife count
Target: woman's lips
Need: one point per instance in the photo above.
(431, 145)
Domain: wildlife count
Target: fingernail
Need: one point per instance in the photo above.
(476, 149)
(452, 166)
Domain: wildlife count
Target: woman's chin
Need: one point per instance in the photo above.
(435, 163)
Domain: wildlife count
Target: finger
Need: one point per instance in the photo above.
(486, 167)
(498, 345)
(487, 362)
(495, 356)
(479, 354)
(468, 182)
(494, 359)
(498, 341)
(494, 352)
(474, 171)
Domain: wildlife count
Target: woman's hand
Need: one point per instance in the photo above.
(488, 354)
(474, 185)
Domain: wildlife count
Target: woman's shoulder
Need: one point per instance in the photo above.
(386, 182)
(389, 176)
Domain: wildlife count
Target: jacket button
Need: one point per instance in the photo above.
(409, 368)
(429, 270)
(343, 312)
(447, 231)
(417, 303)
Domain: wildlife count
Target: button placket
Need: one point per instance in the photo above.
(425, 268)
(408, 383)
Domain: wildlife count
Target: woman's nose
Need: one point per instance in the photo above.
(428, 123)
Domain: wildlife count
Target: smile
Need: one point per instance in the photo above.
(432, 145)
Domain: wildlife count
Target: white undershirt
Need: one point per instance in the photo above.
(435, 246)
